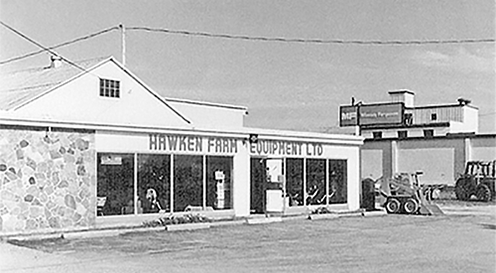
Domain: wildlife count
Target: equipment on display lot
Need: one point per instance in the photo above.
(479, 180)
(402, 194)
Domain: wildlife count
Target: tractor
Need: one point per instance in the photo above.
(478, 180)
(403, 194)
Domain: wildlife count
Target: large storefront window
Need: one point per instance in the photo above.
(294, 181)
(188, 181)
(338, 181)
(316, 190)
(115, 189)
(153, 183)
(219, 182)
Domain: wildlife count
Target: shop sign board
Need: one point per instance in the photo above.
(223, 145)
(348, 115)
(196, 144)
(353, 115)
(391, 113)
(268, 147)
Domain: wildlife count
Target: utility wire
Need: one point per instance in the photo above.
(89, 36)
(487, 114)
(312, 41)
(248, 38)
(44, 48)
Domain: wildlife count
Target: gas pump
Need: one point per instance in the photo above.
(220, 178)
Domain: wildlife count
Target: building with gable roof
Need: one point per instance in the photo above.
(90, 145)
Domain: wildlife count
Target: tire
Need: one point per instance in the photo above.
(411, 206)
(483, 193)
(465, 188)
(393, 205)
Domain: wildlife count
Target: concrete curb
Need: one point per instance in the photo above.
(83, 234)
(381, 212)
(107, 232)
(187, 227)
(263, 220)
(323, 216)
(228, 223)
(360, 213)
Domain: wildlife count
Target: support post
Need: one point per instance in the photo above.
(123, 43)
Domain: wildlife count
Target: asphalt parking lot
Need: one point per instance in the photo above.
(464, 240)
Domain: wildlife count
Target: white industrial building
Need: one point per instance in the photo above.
(403, 137)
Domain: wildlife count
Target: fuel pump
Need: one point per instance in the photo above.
(220, 178)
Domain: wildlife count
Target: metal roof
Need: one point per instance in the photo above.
(19, 87)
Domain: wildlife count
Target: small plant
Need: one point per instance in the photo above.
(176, 219)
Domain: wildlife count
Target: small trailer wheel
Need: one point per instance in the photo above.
(411, 206)
(393, 205)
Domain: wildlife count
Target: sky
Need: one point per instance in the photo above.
(284, 85)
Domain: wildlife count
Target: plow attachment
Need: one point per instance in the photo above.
(427, 208)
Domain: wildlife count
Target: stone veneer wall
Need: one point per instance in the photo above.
(47, 180)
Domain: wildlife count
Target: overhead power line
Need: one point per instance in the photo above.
(43, 47)
(487, 114)
(249, 38)
(86, 37)
(310, 41)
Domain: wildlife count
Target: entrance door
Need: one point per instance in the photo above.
(258, 177)
(266, 185)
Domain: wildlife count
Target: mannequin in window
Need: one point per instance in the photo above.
(151, 202)
(312, 194)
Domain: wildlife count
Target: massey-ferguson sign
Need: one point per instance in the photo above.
(348, 115)
(373, 114)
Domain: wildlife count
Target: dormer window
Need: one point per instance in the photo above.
(109, 88)
(434, 116)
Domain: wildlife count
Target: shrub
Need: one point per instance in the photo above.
(176, 219)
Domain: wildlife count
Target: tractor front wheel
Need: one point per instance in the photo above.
(393, 205)
(483, 193)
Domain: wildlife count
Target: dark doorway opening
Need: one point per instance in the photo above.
(258, 178)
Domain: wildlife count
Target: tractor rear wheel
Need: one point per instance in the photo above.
(393, 205)
(411, 206)
(464, 188)
(483, 193)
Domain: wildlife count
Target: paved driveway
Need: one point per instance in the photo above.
(457, 242)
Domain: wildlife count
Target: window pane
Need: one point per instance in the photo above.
(294, 181)
(153, 183)
(115, 184)
(219, 182)
(188, 181)
(316, 191)
(338, 185)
